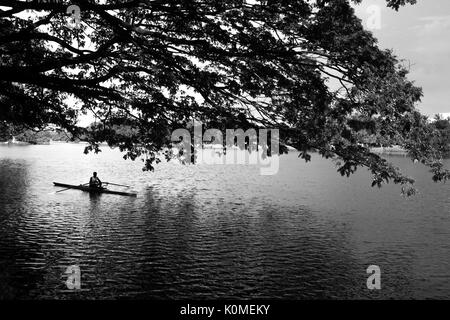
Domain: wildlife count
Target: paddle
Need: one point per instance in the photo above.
(115, 184)
(69, 188)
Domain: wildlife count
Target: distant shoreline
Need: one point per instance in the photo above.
(23, 143)
(393, 149)
(389, 150)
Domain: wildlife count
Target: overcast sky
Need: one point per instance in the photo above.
(421, 35)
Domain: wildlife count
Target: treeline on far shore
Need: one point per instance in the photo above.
(18, 134)
(380, 142)
(443, 126)
(21, 135)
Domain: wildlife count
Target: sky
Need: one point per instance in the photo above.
(419, 34)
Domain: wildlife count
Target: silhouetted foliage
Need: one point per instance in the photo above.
(156, 65)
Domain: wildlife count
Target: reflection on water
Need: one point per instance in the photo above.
(215, 231)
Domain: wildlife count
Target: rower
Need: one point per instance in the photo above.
(95, 182)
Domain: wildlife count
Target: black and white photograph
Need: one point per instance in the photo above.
(204, 151)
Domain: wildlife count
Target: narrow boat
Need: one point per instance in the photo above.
(94, 190)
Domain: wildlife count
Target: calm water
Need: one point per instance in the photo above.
(216, 231)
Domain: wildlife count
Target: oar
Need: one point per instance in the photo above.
(115, 184)
(69, 188)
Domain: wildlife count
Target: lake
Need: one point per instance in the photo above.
(216, 231)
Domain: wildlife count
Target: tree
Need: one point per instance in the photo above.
(442, 136)
(154, 65)
(5, 132)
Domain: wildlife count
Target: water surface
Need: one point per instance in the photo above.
(216, 231)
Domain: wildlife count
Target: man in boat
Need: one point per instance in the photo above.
(95, 182)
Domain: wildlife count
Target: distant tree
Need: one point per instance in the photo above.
(156, 65)
(5, 133)
(442, 134)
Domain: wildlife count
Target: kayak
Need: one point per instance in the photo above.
(94, 190)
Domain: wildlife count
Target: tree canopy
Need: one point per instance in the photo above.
(308, 68)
